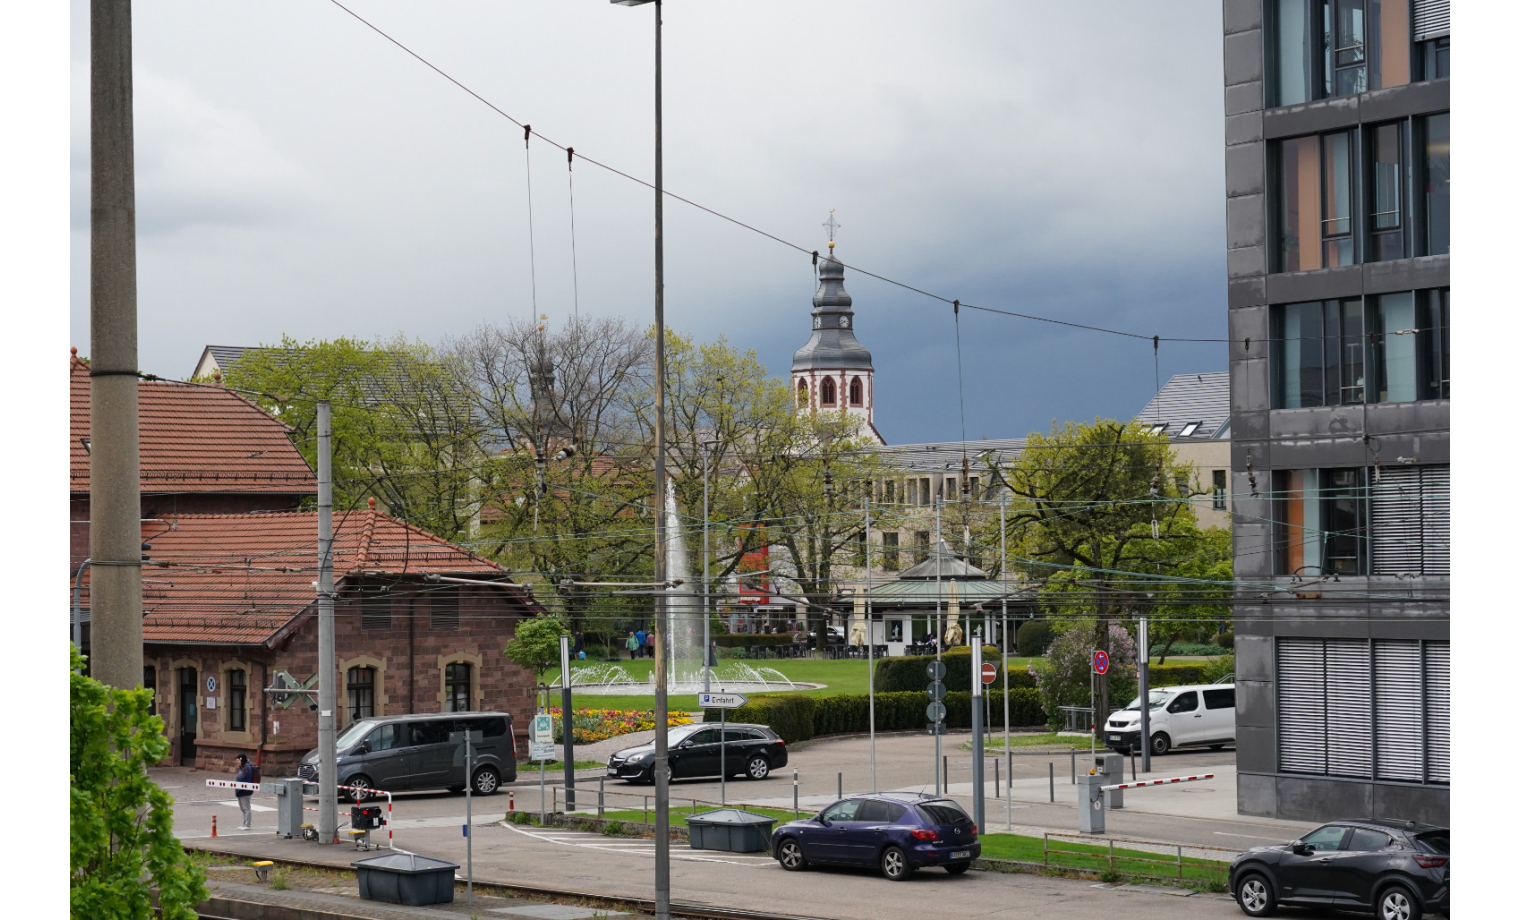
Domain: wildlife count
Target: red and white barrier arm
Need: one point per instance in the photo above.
(230, 784)
(256, 787)
(1157, 782)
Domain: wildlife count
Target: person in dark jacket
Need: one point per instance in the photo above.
(639, 634)
(247, 773)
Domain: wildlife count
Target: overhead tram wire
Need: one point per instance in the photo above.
(575, 276)
(750, 227)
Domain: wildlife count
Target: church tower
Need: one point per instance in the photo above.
(832, 372)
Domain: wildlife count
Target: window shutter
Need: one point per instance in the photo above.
(1396, 531)
(1435, 511)
(1438, 712)
(1301, 706)
(1400, 710)
(1432, 19)
(375, 610)
(1348, 715)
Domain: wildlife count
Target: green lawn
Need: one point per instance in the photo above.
(1126, 861)
(847, 676)
(1018, 740)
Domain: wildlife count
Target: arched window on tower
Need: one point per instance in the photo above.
(802, 394)
(826, 393)
(857, 392)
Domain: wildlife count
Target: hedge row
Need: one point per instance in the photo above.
(1177, 675)
(798, 718)
(910, 673)
(738, 640)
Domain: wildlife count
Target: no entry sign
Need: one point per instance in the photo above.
(989, 672)
(1100, 662)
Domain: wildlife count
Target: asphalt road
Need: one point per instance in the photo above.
(430, 822)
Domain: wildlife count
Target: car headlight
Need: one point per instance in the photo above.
(641, 758)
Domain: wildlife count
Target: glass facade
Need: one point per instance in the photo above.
(1392, 348)
(1437, 184)
(1324, 48)
(1321, 522)
(1387, 193)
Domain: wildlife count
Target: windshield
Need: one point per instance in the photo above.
(354, 732)
(1436, 842)
(681, 732)
(1158, 699)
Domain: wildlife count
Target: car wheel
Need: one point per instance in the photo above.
(486, 781)
(1396, 903)
(1160, 743)
(958, 868)
(357, 794)
(789, 854)
(1255, 897)
(894, 864)
(759, 768)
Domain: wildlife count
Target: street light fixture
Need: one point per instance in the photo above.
(661, 707)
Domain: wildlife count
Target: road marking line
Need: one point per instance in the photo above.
(1247, 836)
(251, 806)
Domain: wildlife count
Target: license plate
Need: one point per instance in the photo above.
(1113, 737)
(612, 771)
(961, 854)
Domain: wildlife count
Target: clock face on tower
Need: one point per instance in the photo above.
(817, 322)
(844, 322)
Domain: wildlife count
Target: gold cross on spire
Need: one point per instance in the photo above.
(831, 225)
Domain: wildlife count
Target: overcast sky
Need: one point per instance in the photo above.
(298, 174)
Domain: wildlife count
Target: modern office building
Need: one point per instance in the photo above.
(1337, 156)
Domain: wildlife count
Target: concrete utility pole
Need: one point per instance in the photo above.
(941, 783)
(115, 502)
(327, 656)
(661, 574)
(870, 639)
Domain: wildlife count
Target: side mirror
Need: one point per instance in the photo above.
(1301, 849)
(362, 747)
(824, 821)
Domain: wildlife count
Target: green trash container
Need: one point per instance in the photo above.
(730, 829)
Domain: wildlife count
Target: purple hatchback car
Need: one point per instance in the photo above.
(894, 832)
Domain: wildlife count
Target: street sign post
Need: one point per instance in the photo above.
(936, 670)
(1100, 662)
(541, 749)
(936, 690)
(722, 702)
(1099, 667)
(936, 710)
(469, 739)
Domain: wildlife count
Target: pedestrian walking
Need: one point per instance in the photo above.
(640, 636)
(649, 644)
(246, 773)
(633, 646)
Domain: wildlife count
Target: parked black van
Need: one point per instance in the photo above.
(414, 752)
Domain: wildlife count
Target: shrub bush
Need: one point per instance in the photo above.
(902, 711)
(1034, 637)
(1227, 639)
(1175, 675)
(1065, 676)
(1218, 669)
(910, 674)
(735, 640)
(789, 715)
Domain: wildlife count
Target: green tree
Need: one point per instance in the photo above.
(122, 846)
(404, 424)
(1101, 518)
(535, 647)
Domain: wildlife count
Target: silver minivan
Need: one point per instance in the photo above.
(1196, 716)
(395, 753)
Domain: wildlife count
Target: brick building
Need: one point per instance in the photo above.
(230, 609)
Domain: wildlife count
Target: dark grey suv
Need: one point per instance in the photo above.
(699, 750)
(1397, 869)
(394, 753)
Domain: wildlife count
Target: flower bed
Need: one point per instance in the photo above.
(592, 725)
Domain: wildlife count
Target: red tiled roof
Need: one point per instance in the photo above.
(194, 439)
(245, 578)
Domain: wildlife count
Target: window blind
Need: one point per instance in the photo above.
(1432, 19)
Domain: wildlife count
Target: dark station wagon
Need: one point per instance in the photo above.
(705, 749)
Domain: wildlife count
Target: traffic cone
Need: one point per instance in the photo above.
(213, 825)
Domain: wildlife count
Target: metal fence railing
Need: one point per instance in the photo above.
(1077, 718)
(1138, 858)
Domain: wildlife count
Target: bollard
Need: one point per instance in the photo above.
(796, 809)
(213, 825)
(841, 784)
(1073, 766)
(1132, 775)
(995, 787)
(946, 774)
(601, 792)
(511, 803)
(1052, 780)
